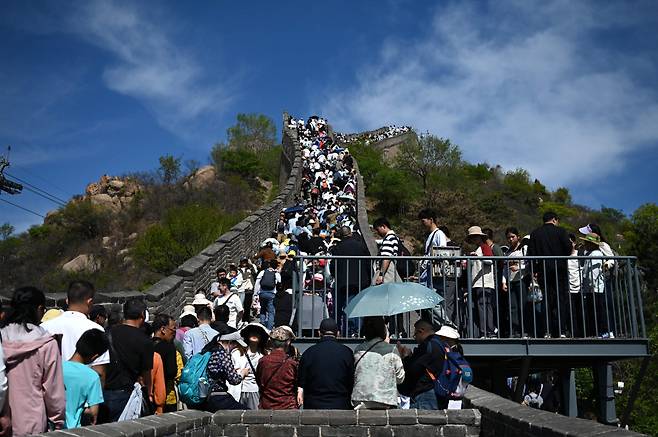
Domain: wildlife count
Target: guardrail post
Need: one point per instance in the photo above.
(631, 296)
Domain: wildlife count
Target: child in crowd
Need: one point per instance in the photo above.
(83, 385)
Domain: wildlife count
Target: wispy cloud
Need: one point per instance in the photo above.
(150, 67)
(523, 84)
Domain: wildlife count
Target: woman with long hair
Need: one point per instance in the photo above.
(34, 366)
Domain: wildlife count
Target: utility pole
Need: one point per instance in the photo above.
(6, 185)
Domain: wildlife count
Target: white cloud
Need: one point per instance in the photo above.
(151, 67)
(524, 85)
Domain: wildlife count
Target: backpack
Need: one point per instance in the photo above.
(268, 281)
(455, 375)
(534, 400)
(405, 267)
(194, 384)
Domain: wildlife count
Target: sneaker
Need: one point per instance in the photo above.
(608, 335)
(547, 336)
(563, 336)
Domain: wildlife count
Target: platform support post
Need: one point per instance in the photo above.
(605, 393)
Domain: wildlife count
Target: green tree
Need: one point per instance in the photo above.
(253, 132)
(6, 230)
(393, 189)
(184, 232)
(169, 170)
(240, 161)
(643, 240)
(428, 154)
(562, 195)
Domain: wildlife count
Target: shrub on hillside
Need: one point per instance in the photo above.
(83, 220)
(184, 232)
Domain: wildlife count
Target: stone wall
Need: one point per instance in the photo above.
(171, 293)
(504, 418)
(289, 423)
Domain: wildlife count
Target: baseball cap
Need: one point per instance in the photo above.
(329, 325)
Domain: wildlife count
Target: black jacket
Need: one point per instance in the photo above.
(326, 373)
(359, 270)
(416, 379)
(550, 240)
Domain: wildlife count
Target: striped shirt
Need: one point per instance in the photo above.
(390, 246)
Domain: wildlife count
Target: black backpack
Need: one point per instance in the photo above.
(405, 267)
(268, 281)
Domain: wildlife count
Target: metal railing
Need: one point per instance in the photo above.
(484, 297)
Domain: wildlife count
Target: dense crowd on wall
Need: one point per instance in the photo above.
(373, 137)
(232, 346)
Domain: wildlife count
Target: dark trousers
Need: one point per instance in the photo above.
(248, 300)
(484, 319)
(556, 302)
(115, 401)
(510, 308)
(344, 294)
(222, 402)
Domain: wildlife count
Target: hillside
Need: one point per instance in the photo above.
(430, 172)
(127, 232)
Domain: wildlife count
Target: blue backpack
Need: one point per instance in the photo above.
(455, 370)
(193, 386)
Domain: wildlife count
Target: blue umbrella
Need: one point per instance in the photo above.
(392, 298)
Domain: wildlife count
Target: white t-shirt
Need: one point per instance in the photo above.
(436, 238)
(71, 325)
(249, 384)
(232, 301)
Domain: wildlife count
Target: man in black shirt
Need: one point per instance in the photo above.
(326, 372)
(351, 275)
(552, 275)
(417, 383)
(131, 359)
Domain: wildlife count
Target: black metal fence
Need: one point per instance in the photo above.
(484, 297)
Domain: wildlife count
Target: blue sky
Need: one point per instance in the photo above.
(566, 90)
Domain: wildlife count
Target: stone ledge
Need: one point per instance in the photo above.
(192, 266)
(517, 420)
(163, 287)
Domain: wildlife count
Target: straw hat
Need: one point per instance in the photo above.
(591, 238)
(475, 230)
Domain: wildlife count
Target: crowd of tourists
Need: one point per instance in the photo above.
(232, 347)
(507, 294)
(372, 137)
(63, 369)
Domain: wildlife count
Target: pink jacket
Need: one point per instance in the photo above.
(36, 385)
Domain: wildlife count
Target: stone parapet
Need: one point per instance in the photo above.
(286, 423)
(504, 418)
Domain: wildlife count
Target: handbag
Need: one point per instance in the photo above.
(534, 293)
